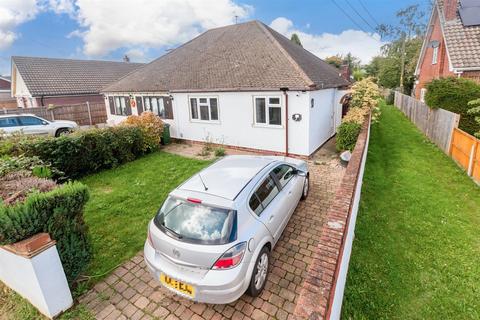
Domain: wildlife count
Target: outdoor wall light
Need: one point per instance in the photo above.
(296, 117)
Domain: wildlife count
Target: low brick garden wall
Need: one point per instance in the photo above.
(322, 291)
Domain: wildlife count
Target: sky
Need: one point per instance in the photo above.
(147, 29)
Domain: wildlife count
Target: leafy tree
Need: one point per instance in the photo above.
(352, 61)
(396, 66)
(296, 39)
(335, 61)
(475, 110)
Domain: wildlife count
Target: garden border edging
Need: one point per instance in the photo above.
(322, 291)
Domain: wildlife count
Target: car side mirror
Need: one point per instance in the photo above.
(44, 123)
(299, 173)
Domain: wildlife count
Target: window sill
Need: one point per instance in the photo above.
(267, 126)
(205, 121)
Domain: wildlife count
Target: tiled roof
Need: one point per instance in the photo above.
(463, 43)
(237, 57)
(48, 76)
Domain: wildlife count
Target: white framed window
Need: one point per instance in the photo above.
(204, 109)
(268, 111)
(423, 91)
(435, 55)
(121, 105)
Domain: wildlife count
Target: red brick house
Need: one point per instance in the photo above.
(47, 81)
(452, 43)
(4, 87)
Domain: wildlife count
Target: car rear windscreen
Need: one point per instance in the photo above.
(196, 223)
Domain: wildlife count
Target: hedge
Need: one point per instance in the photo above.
(87, 151)
(453, 94)
(58, 212)
(347, 135)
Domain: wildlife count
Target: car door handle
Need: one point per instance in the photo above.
(271, 218)
(290, 192)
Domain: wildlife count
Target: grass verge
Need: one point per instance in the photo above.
(416, 253)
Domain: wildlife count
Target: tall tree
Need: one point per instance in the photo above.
(295, 39)
(411, 24)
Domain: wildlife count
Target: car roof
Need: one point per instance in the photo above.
(227, 177)
(17, 115)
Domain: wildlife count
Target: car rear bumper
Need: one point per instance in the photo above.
(211, 286)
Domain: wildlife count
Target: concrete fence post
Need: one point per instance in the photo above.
(89, 113)
(52, 115)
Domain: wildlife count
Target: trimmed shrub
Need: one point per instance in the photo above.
(347, 136)
(34, 165)
(58, 212)
(453, 94)
(151, 126)
(86, 152)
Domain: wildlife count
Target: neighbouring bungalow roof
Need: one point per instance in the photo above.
(237, 57)
(463, 42)
(51, 77)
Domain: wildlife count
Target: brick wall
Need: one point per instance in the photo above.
(322, 291)
(429, 71)
(4, 85)
(450, 9)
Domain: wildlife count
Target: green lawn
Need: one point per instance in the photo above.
(416, 253)
(123, 200)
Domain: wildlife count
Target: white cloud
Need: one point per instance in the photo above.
(62, 6)
(111, 24)
(361, 44)
(12, 14)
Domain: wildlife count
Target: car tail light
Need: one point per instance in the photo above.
(194, 200)
(231, 258)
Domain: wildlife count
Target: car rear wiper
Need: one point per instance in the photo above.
(177, 235)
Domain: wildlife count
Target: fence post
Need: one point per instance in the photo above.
(89, 113)
(470, 161)
(5, 110)
(52, 115)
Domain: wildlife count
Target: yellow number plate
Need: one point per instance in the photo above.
(177, 285)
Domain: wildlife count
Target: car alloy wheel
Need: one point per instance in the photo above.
(306, 188)
(262, 271)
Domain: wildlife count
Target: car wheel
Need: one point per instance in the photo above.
(260, 273)
(306, 187)
(62, 132)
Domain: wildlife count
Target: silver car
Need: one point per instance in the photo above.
(211, 239)
(32, 124)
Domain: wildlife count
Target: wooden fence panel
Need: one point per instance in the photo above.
(461, 149)
(436, 124)
(465, 150)
(83, 114)
(476, 163)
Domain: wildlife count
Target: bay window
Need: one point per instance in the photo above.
(160, 106)
(204, 109)
(121, 106)
(268, 111)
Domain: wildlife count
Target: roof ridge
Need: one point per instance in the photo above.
(285, 53)
(81, 60)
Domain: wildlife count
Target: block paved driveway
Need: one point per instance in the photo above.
(130, 292)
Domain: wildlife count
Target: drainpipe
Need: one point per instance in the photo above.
(286, 119)
(41, 100)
